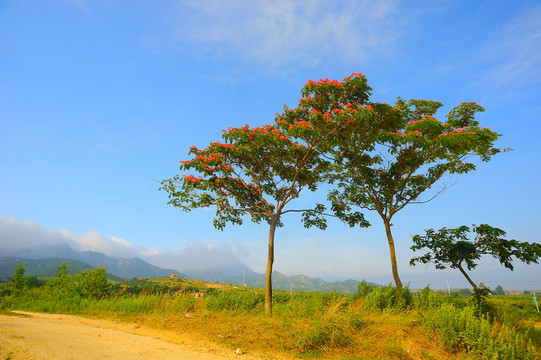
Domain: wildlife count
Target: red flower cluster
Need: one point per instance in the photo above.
(458, 131)
(228, 146)
(191, 178)
(325, 81)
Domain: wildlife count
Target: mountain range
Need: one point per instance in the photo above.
(43, 260)
(124, 268)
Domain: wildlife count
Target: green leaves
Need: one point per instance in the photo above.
(379, 157)
(412, 151)
(258, 171)
(453, 248)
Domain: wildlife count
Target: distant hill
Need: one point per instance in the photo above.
(128, 268)
(124, 268)
(42, 268)
(239, 274)
(302, 283)
(232, 274)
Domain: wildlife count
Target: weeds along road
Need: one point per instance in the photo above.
(62, 337)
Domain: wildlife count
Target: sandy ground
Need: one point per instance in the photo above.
(47, 336)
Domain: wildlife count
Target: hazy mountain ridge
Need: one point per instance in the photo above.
(124, 268)
(50, 256)
(301, 283)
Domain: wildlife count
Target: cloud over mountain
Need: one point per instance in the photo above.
(17, 235)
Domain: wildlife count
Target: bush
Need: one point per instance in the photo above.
(387, 297)
(464, 329)
(88, 284)
(427, 299)
(245, 300)
(364, 288)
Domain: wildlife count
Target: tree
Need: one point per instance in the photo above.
(412, 152)
(451, 247)
(87, 284)
(259, 171)
(18, 277)
(498, 291)
(465, 292)
(92, 284)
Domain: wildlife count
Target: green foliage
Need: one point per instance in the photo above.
(451, 247)
(18, 277)
(19, 283)
(258, 171)
(88, 284)
(464, 292)
(364, 288)
(412, 151)
(498, 291)
(427, 299)
(246, 300)
(463, 329)
(318, 323)
(387, 297)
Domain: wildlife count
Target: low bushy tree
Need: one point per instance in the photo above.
(88, 284)
(453, 248)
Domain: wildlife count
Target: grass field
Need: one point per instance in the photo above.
(378, 325)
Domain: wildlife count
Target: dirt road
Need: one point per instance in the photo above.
(63, 337)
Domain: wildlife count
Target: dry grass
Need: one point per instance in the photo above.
(379, 335)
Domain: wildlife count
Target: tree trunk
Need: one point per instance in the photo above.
(270, 261)
(467, 277)
(397, 281)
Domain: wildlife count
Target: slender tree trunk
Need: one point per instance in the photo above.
(396, 278)
(467, 277)
(270, 261)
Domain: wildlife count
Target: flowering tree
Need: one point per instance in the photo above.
(451, 247)
(260, 171)
(411, 153)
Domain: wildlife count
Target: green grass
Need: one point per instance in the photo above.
(381, 325)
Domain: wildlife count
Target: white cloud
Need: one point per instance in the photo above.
(280, 32)
(516, 54)
(196, 257)
(17, 235)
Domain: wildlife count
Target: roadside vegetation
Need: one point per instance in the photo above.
(376, 323)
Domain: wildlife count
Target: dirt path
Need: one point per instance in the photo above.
(63, 337)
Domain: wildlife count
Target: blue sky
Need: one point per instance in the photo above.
(100, 100)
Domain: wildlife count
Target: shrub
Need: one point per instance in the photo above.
(427, 299)
(88, 284)
(387, 297)
(364, 288)
(245, 300)
(464, 329)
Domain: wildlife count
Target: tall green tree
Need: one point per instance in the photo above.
(498, 290)
(453, 248)
(412, 152)
(259, 171)
(18, 277)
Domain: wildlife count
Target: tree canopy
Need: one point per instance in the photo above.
(453, 248)
(410, 154)
(258, 171)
